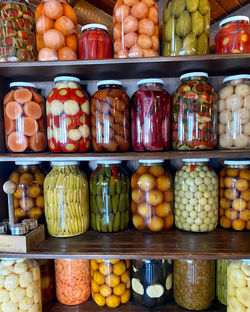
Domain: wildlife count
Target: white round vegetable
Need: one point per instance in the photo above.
(155, 291)
(244, 115)
(234, 102)
(71, 107)
(226, 92)
(241, 141)
(137, 286)
(242, 89)
(246, 128)
(225, 116)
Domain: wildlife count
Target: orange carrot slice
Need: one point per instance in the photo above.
(17, 142)
(22, 95)
(38, 142)
(13, 110)
(41, 126)
(30, 126)
(69, 12)
(9, 125)
(37, 97)
(8, 97)
(39, 11)
(33, 110)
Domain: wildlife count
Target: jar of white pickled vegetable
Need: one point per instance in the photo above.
(196, 193)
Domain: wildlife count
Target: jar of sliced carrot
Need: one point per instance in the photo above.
(24, 118)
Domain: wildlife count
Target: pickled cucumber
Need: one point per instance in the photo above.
(203, 44)
(192, 5)
(177, 7)
(183, 24)
(207, 23)
(190, 44)
(167, 13)
(197, 23)
(221, 280)
(169, 29)
(175, 47)
(204, 6)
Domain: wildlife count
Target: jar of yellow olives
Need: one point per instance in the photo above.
(28, 198)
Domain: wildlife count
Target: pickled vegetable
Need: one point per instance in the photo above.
(221, 280)
(47, 280)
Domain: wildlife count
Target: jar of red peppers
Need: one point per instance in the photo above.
(95, 42)
(151, 116)
(110, 122)
(233, 35)
(68, 121)
(194, 113)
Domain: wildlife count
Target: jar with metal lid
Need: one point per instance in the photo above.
(95, 42)
(24, 118)
(221, 280)
(47, 279)
(110, 122)
(20, 285)
(109, 197)
(151, 116)
(235, 195)
(186, 27)
(66, 199)
(194, 113)
(234, 113)
(233, 35)
(194, 283)
(152, 196)
(196, 192)
(151, 282)
(68, 120)
(28, 198)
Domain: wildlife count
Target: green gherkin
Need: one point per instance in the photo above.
(167, 13)
(183, 24)
(166, 49)
(197, 23)
(177, 7)
(203, 44)
(192, 5)
(175, 46)
(169, 29)
(204, 6)
(189, 45)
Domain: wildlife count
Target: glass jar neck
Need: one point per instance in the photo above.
(151, 85)
(28, 166)
(23, 87)
(150, 164)
(109, 86)
(200, 78)
(237, 166)
(65, 166)
(200, 163)
(67, 81)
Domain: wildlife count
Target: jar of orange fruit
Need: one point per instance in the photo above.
(152, 196)
(110, 282)
(235, 195)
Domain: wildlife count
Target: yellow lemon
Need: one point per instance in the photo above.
(105, 268)
(94, 286)
(119, 268)
(125, 296)
(99, 299)
(98, 278)
(119, 289)
(112, 280)
(94, 265)
(105, 291)
(113, 301)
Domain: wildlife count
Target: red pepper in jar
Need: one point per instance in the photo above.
(52, 95)
(78, 95)
(63, 95)
(54, 146)
(84, 145)
(70, 146)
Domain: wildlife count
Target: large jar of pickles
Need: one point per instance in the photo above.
(47, 279)
(66, 198)
(24, 108)
(194, 113)
(151, 116)
(151, 282)
(28, 198)
(235, 195)
(221, 280)
(196, 188)
(152, 196)
(186, 29)
(68, 120)
(234, 113)
(110, 282)
(110, 122)
(109, 197)
(136, 28)
(194, 283)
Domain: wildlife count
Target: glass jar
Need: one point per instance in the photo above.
(109, 197)
(151, 116)
(233, 35)
(234, 113)
(152, 196)
(56, 31)
(196, 192)
(95, 42)
(235, 195)
(68, 120)
(23, 108)
(72, 278)
(110, 120)
(47, 279)
(186, 28)
(151, 282)
(66, 198)
(110, 282)
(17, 36)
(221, 280)
(20, 285)
(136, 29)
(28, 198)
(194, 113)
(194, 283)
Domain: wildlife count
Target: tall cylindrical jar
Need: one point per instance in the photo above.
(196, 188)
(24, 118)
(68, 120)
(72, 278)
(110, 122)
(186, 29)
(221, 280)
(151, 116)
(194, 283)
(194, 113)
(47, 279)
(66, 199)
(234, 113)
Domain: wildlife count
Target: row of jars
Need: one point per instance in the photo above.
(72, 123)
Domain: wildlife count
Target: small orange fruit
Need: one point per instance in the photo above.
(119, 268)
(105, 268)
(163, 209)
(231, 193)
(94, 286)
(221, 212)
(225, 203)
(98, 278)
(114, 261)
(242, 185)
(156, 224)
(133, 207)
(138, 196)
(99, 299)
(105, 290)
(225, 222)
(125, 296)
(245, 174)
(155, 197)
(238, 225)
(113, 301)
(157, 170)
(163, 183)
(232, 172)
(119, 289)
(229, 182)
(145, 210)
(231, 214)
(112, 280)
(245, 215)
(125, 277)
(94, 265)
(146, 182)
(141, 170)
(248, 225)
(169, 220)
(138, 222)
(239, 204)
(169, 195)
(134, 180)
(246, 195)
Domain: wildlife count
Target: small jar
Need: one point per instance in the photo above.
(68, 120)
(194, 113)
(194, 283)
(95, 42)
(151, 116)
(221, 280)
(109, 197)
(233, 35)
(28, 198)
(152, 282)
(152, 196)
(24, 118)
(234, 113)
(235, 195)
(72, 278)
(47, 279)
(110, 120)
(110, 282)
(66, 198)
(196, 191)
